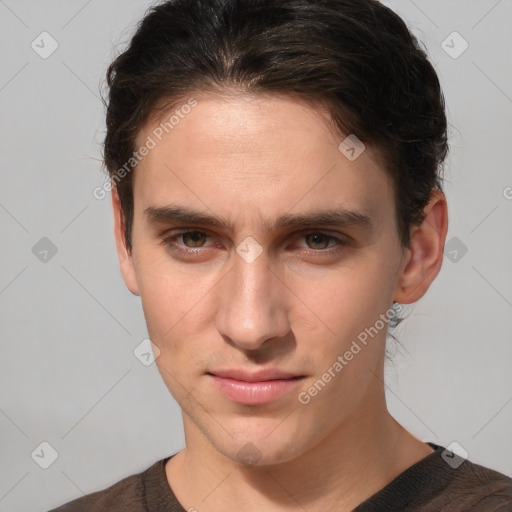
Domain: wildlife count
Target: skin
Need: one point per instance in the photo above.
(247, 159)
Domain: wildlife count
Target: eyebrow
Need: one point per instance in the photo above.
(338, 217)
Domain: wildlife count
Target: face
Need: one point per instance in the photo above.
(268, 285)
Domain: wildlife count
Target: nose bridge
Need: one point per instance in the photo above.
(254, 280)
(251, 307)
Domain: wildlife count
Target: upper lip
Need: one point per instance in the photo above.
(259, 376)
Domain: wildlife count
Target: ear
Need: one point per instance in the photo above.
(124, 254)
(425, 252)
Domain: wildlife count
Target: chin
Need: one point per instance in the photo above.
(260, 449)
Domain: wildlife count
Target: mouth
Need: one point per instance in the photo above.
(254, 392)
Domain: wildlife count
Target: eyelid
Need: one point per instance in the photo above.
(303, 231)
(170, 237)
(341, 242)
(326, 232)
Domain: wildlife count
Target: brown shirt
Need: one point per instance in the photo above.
(440, 481)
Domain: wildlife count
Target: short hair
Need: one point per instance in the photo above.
(355, 58)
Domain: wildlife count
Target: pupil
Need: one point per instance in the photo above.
(195, 236)
(315, 238)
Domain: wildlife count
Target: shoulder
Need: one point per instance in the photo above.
(444, 481)
(126, 494)
(470, 487)
(478, 488)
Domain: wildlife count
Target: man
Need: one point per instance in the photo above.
(277, 197)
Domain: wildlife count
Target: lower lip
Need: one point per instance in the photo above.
(254, 393)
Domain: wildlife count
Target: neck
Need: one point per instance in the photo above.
(357, 459)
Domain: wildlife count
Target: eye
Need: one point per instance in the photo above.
(322, 244)
(195, 238)
(191, 240)
(318, 241)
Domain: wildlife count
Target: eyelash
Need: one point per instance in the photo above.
(170, 243)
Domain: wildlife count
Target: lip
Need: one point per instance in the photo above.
(254, 393)
(263, 387)
(259, 376)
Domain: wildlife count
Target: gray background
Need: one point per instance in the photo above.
(69, 327)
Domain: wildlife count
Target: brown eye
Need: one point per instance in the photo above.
(317, 241)
(195, 238)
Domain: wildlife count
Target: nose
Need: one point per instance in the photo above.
(252, 305)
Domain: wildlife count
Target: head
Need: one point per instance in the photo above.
(276, 189)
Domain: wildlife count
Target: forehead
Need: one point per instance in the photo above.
(242, 155)
(241, 124)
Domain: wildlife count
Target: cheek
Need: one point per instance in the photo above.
(345, 299)
(347, 303)
(165, 289)
(177, 305)
(176, 313)
(173, 303)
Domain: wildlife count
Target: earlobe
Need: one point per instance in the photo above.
(125, 256)
(425, 252)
